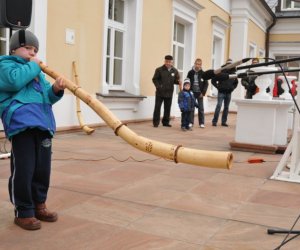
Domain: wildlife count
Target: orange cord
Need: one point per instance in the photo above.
(256, 160)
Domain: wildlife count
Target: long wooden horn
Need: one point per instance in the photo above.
(84, 127)
(213, 159)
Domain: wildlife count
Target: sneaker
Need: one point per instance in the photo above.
(31, 223)
(43, 214)
(190, 125)
(167, 125)
(224, 124)
(202, 126)
(214, 124)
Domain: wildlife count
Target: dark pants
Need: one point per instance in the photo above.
(167, 110)
(185, 119)
(226, 97)
(200, 109)
(30, 164)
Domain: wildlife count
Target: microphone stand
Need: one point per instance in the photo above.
(279, 231)
(268, 63)
(245, 74)
(287, 232)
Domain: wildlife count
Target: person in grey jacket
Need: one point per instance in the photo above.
(164, 79)
(199, 88)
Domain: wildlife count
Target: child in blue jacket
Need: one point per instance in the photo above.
(26, 100)
(186, 102)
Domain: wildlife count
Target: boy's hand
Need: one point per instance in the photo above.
(35, 59)
(58, 85)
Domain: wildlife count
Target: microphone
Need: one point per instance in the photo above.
(211, 73)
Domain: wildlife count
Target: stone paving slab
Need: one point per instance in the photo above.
(112, 196)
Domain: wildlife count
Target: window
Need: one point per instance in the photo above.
(289, 65)
(261, 53)
(252, 50)
(218, 46)
(3, 41)
(115, 44)
(178, 47)
(290, 5)
(217, 52)
(185, 14)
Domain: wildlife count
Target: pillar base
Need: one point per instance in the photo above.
(264, 149)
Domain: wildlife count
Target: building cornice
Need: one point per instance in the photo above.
(190, 4)
(253, 10)
(219, 21)
(287, 26)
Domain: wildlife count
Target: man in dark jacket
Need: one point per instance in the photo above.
(164, 79)
(249, 82)
(199, 88)
(225, 89)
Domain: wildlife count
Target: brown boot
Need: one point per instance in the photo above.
(43, 214)
(28, 223)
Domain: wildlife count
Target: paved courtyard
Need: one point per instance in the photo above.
(111, 196)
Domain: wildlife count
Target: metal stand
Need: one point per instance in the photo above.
(291, 161)
(287, 232)
(291, 156)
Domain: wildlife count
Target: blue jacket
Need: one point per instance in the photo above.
(26, 97)
(186, 100)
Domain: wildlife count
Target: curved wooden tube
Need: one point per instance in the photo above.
(84, 127)
(213, 159)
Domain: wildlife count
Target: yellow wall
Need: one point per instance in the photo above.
(256, 36)
(86, 18)
(204, 30)
(157, 37)
(285, 38)
(156, 40)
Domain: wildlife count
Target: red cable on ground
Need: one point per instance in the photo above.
(256, 160)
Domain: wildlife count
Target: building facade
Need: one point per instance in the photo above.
(117, 44)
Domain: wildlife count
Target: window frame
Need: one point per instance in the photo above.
(292, 8)
(114, 27)
(5, 40)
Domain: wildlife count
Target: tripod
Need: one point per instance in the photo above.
(287, 232)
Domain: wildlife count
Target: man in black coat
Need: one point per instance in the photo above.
(225, 88)
(199, 88)
(164, 79)
(249, 82)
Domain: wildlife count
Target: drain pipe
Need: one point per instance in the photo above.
(267, 41)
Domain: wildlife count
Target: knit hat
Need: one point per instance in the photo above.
(22, 38)
(186, 81)
(168, 57)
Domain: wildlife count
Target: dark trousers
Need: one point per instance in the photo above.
(200, 109)
(30, 164)
(167, 110)
(185, 119)
(222, 97)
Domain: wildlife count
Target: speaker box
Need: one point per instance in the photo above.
(15, 14)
